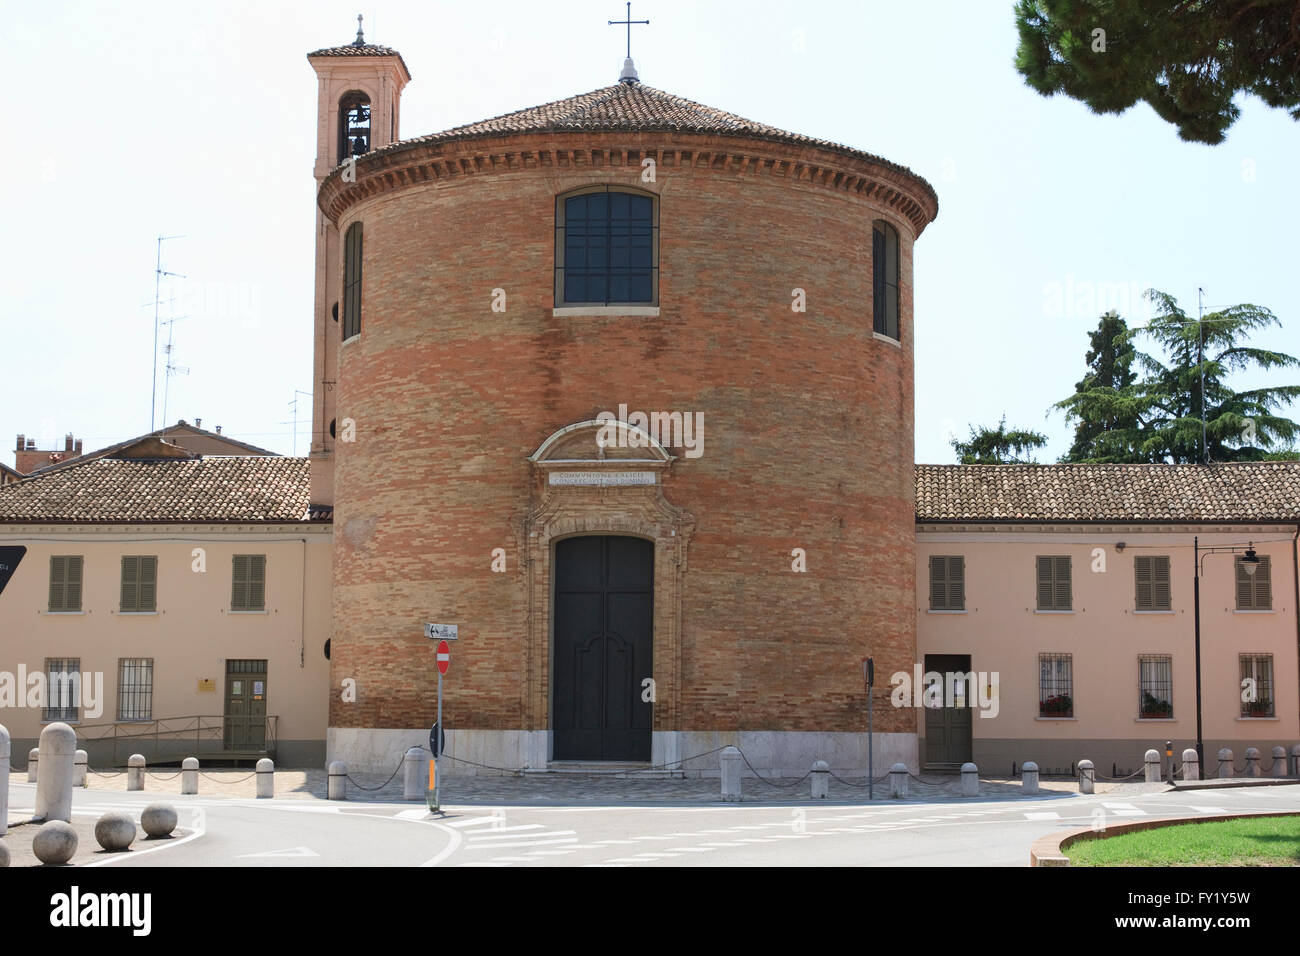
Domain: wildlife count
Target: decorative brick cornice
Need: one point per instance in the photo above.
(745, 156)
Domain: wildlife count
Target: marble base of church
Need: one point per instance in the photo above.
(487, 752)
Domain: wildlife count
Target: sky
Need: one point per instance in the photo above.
(197, 120)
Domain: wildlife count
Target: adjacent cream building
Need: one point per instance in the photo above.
(190, 592)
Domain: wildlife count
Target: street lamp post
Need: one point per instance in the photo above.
(1251, 563)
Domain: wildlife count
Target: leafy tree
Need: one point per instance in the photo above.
(1237, 426)
(1158, 418)
(1000, 447)
(1187, 58)
(1105, 402)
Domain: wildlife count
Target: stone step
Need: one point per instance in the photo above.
(597, 769)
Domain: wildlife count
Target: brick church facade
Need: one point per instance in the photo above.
(487, 299)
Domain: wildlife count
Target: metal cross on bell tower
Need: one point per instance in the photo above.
(361, 39)
(629, 71)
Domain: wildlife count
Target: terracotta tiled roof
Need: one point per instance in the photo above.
(1247, 492)
(203, 490)
(368, 49)
(634, 106)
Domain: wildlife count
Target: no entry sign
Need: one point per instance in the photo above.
(444, 656)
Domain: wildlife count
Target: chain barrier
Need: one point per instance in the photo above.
(354, 783)
(859, 786)
(778, 786)
(1106, 779)
(941, 784)
(96, 773)
(219, 780)
(160, 779)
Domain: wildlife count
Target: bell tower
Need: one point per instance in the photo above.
(359, 96)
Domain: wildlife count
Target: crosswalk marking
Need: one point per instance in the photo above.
(509, 846)
(1209, 809)
(552, 852)
(487, 837)
(1044, 815)
(471, 822)
(1124, 810)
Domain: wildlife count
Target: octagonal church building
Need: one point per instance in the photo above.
(621, 386)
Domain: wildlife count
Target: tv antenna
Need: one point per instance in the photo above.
(158, 273)
(171, 367)
(294, 405)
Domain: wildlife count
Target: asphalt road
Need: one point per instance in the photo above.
(956, 832)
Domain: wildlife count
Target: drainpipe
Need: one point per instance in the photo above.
(302, 619)
(1295, 580)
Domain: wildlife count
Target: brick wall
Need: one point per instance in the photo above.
(807, 433)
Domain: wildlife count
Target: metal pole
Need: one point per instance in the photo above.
(871, 744)
(1196, 600)
(437, 742)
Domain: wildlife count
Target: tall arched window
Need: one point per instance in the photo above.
(354, 125)
(606, 248)
(352, 281)
(884, 279)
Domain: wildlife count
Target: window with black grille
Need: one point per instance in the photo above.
(139, 583)
(1054, 582)
(248, 583)
(947, 582)
(884, 279)
(1256, 685)
(352, 243)
(1055, 685)
(135, 688)
(65, 582)
(607, 248)
(62, 688)
(1151, 575)
(1254, 591)
(1155, 686)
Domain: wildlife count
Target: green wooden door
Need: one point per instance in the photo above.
(948, 728)
(245, 711)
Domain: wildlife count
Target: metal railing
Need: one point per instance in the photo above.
(179, 737)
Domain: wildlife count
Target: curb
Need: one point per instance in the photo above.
(1048, 850)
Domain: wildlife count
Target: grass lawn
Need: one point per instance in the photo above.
(1268, 841)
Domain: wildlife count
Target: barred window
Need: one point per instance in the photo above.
(1155, 686)
(884, 279)
(947, 582)
(352, 243)
(135, 688)
(65, 582)
(1151, 574)
(1055, 685)
(62, 688)
(606, 248)
(1054, 582)
(248, 583)
(1257, 685)
(139, 582)
(1254, 591)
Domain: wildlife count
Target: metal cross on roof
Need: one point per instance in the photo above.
(360, 40)
(628, 22)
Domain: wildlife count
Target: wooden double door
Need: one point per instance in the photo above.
(948, 729)
(604, 635)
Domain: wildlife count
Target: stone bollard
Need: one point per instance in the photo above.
(265, 778)
(414, 775)
(135, 772)
(1295, 761)
(821, 780)
(33, 761)
(1029, 777)
(729, 760)
(80, 763)
(190, 775)
(1225, 763)
(1087, 778)
(898, 781)
(4, 779)
(55, 842)
(970, 780)
(1279, 761)
(54, 784)
(1191, 764)
(338, 781)
(1153, 766)
(1252, 761)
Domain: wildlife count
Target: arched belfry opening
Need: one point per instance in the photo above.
(354, 125)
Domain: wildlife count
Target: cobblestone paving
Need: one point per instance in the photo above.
(552, 789)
